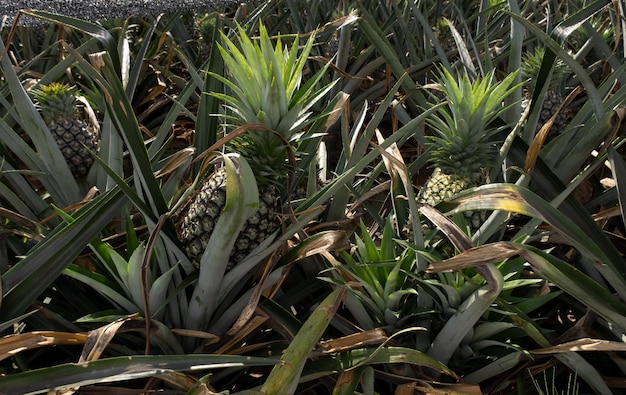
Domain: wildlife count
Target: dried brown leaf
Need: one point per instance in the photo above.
(535, 146)
(197, 334)
(14, 344)
(177, 160)
(475, 257)
(437, 388)
(392, 158)
(98, 339)
(356, 340)
(584, 344)
(457, 237)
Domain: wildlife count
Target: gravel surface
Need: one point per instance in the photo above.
(102, 9)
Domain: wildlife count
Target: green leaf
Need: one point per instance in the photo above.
(285, 376)
(122, 270)
(59, 181)
(574, 20)
(103, 286)
(577, 284)
(25, 281)
(618, 168)
(486, 330)
(158, 292)
(207, 126)
(111, 370)
(133, 281)
(349, 360)
(472, 308)
(517, 199)
(495, 368)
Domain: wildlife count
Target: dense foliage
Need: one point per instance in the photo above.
(423, 197)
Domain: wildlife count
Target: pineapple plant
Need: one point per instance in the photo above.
(463, 144)
(265, 89)
(66, 120)
(531, 64)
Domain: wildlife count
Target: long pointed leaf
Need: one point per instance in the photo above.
(111, 370)
(59, 180)
(25, 281)
(514, 198)
(284, 377)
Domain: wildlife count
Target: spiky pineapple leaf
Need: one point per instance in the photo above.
(48, 158)
(469, 312)
(266, 84)
(103, 286)
(463, 129)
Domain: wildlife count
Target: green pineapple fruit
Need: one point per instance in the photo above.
(265, 85)
(552, 99)
(462, 145)
(203, 28)
(64, 118)
(200, 220)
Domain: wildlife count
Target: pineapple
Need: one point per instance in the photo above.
(66, 121)
(199, 222)
(552, 99)
(265, 84)
(462, 146)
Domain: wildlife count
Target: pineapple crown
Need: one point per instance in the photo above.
(55, 101)
(531, 65)
(462, 143)
(265, 84)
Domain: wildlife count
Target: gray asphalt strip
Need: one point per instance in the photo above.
(102, 9)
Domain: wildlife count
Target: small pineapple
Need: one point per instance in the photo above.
(462, 144)
(265, 85)
(552, 99)
(74, 136)
(203, 28)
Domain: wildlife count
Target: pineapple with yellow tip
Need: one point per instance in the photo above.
(462, 145)
(265, 87)
(65, 119)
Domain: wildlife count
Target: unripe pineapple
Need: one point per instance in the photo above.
(264, 81)
(199, 222)
(203, 28)
(462, 144)
(73, 134)
(552, 99)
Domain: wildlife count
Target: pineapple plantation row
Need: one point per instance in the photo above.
(316, 198)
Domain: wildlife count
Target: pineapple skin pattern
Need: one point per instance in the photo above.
(552, 99)
(199, 222)
(75, 137)
(442, 186)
